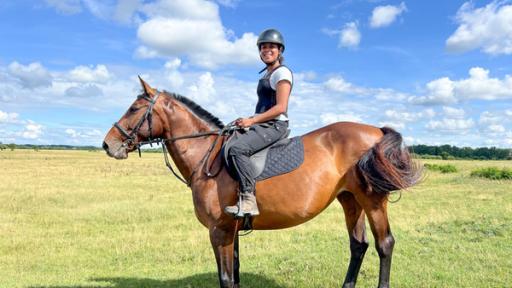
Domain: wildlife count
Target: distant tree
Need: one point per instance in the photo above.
(12, 146)
(445, 155)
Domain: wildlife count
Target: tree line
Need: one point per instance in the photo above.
(454, 152)
(13, 146)
(423, 151)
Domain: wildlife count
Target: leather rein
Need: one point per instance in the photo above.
(148, 116)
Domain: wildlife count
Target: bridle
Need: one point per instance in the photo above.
(131, 139)
(148, 115)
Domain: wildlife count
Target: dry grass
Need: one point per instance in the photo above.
(79, 219)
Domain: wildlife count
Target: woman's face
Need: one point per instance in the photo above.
(269, 52)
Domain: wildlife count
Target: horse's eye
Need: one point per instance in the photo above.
(133, 109)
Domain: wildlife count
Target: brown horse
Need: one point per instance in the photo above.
(356, 164)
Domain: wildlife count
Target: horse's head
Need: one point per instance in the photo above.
(140, 123)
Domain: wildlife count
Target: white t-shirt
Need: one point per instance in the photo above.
(281, 73)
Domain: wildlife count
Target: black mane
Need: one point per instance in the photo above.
(198, 110)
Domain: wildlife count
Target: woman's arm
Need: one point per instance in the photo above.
(283, 89)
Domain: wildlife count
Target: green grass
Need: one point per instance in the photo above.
(443, 168)
(72, 219)
(493, 173)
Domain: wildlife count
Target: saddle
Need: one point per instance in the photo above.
(284, 156)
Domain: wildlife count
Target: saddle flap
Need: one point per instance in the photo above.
(281, 157)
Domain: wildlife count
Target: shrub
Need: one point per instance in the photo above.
(493, 173)
(446, 168)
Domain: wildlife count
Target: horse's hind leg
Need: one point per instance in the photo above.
(376, 210)
(354, 218)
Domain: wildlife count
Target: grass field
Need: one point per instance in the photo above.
(72, 219)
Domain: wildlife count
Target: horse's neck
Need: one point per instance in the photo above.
(188, 153)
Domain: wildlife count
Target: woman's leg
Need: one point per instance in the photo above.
(249, 142)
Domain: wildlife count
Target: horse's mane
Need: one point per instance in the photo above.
(197, 110)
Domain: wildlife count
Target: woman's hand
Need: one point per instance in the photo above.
(244, 122)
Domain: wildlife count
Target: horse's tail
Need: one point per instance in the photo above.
(388, 166)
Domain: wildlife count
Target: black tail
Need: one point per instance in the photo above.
(388, 166)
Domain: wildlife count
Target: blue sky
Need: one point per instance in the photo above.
(438, 71)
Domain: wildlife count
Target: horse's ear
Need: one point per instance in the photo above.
(145, 86)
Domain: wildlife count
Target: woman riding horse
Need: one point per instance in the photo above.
(268, 125)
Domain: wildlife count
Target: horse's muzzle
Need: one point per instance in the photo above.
(115, 150)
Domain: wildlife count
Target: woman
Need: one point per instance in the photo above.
(268, 124)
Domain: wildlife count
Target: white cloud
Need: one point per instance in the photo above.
(488, 118)
(84, 135)
(508, 113)
(488, 28)
(496, 128)
(125, 9)
(228, 3)
(451, 125)
(398, 119)
(338, 84)
(30, 76)
(174, 27)
(203, 91)
(66, 6)
(478, 86)
(451, 112)
(350, 36)
(383, 16)
(84, 91)
(6, 117)
(71, 132)
(328, 118)
(89, 74)
(32, 130)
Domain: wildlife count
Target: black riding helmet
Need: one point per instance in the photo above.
(271, 36)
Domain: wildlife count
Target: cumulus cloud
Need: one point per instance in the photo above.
(478, 86)
(124, 11)
(32, 130)
(328, 118)
(174, 27)
(383, 16)
(340, 85)
(65, 6)
(350, 37)
(451, 125)
(489, 118)
(451, 112)
(228, 3)
(496, 128)
(89, 74)
(488, 28)
(84, 134)
(203, 91)
(398, 119)
(32, 75)
(6, 117)
(84, 91)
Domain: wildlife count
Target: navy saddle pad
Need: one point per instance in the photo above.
(281, 157)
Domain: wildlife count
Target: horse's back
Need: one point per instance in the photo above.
(298, 196)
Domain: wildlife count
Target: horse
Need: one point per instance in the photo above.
(357, 164)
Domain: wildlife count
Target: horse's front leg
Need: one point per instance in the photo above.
(223, 247)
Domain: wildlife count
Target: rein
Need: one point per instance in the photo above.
(148, 115)
(162, 141)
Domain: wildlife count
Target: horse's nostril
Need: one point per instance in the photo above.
(105, 146)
